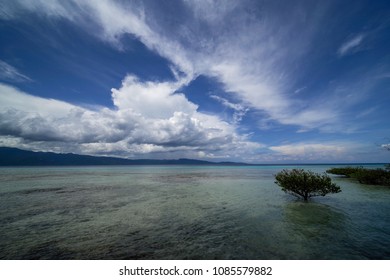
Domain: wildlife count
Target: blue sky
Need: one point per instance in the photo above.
(253, 81)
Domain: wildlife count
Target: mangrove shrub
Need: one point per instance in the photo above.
(348, 171)
(305, 184)
(364, 175)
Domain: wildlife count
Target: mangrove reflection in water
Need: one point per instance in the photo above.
(184, 212)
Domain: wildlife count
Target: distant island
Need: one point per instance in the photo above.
(18, 157)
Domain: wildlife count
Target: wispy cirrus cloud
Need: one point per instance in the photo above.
(351, 45)
(249, 58)
(254, 59)
(11, 74)
(258, 51)
(239, 109)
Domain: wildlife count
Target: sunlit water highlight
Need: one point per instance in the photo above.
(185, 212)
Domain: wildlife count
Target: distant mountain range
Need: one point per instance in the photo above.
(18, 157)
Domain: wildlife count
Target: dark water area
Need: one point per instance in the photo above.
(185, 212)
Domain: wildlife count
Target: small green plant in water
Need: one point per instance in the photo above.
(305, 184)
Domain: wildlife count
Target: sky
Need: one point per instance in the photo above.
(253, 81)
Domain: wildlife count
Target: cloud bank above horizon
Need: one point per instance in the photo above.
(286, 93)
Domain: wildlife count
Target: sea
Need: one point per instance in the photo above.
(185, 213)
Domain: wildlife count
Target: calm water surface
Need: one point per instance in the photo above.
(184, 212)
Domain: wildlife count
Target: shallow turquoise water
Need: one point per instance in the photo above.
(184, 212)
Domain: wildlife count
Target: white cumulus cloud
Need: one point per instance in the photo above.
(150, 118)
(151, 99)
(386, 146)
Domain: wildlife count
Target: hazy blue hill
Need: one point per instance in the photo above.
(17, 157)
